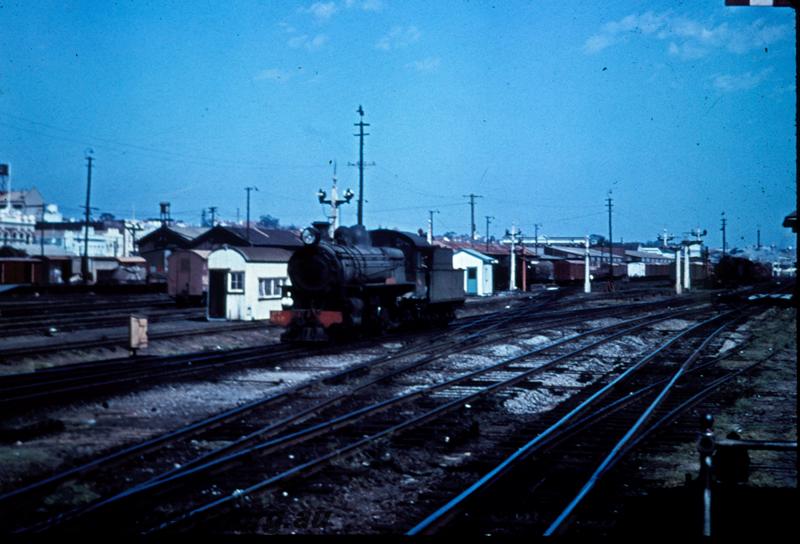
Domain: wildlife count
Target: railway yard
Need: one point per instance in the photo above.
(551, 412)
(398, 270)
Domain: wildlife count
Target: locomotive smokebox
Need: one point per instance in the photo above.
(324, 267)
(314, 269)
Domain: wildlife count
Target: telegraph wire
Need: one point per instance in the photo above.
(424, 207)
(108, 143)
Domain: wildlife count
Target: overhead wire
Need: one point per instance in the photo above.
(160, 154)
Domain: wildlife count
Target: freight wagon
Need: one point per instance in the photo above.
(187, 276)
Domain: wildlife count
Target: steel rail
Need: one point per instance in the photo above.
(67, 308)
(618, 447)
(204, 459)
(205, 423)
(329, 402)
(107, 319)
(89, 368)
(523, 451)
(155, 442)
(415, 421)
(517, 316)
(710, 388)
(138, 374)
(630, 397)
(51, 378)
(119, 340)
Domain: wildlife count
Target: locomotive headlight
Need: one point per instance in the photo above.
(310, 236)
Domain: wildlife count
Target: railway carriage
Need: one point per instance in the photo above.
(367, 282)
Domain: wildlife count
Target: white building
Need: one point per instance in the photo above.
(28, 224)
(20, 211)
(109, 238)
(17, 229)
(478, 271)
(245, 283)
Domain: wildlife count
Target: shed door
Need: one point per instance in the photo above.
(217, 292)
(472, 280)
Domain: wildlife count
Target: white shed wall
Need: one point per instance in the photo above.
(247, 305)
(488, 280)
(463, 260)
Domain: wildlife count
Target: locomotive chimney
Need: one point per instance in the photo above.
(324, 229)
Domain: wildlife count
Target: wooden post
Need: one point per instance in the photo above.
(137, 333)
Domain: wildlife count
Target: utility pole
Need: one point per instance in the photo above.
(473, 233)
(724, 233)
(430, 225)
(85, 259)
(361, 124)
(334, 201)
(536, 238)
(488, 220)
(248, 189)
(41, 234)
(610, 241)
(758, 237)
(133, 228)
(213, 211)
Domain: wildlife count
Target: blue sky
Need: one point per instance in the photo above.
(682, 109)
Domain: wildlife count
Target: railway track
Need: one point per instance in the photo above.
(64, 307)
(120, 340)
(575, 445)
(84, 380)
(369, 427)
(487, 321)
(116, 317)
(353, 414)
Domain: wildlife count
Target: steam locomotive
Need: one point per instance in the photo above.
(366, 282)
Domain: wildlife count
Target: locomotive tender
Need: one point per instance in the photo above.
(366, 282)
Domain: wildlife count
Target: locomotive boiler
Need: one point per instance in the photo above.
(366, 282)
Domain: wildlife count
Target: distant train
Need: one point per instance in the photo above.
(733, 271)
(366, 282)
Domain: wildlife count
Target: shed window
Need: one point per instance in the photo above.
(236, 281)
(270, 287)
